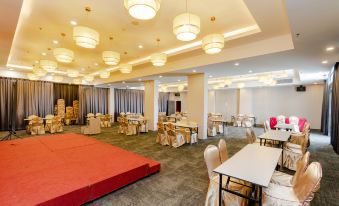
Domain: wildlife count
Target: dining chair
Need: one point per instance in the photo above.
(56, 125)
(288, 180)
(302, 192)
(212, 160)
(222, 150)
(48, 121)
(293, 152)
(211, 129)
(176, 138)
(281, 119)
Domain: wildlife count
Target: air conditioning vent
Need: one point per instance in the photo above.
(284, 81)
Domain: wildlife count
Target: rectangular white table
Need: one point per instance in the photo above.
(276, 135)
(254, 164)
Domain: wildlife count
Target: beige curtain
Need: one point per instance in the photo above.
(92, 100)
(33, 97)
(128, 100)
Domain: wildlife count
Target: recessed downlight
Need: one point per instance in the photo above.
(55, 42)
(123, 82)
(330, 48)
(324, 62)
(160, 76)
(73, 22)
(236, 64)
(43, 53)
(194, 70)
(210, 76)
(250, 71)
(10, 69)
(140, 46)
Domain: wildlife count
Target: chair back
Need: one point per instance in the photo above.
(212, 159)
(89, 115)
(308, 183)
(98, 114)
(172, 133)
(294, 120)
(223, 150)
(249, 136)
(30, 117)
(267, 126)
(301, 167)
(49, 116)
(281, 119)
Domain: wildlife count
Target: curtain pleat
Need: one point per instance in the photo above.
(128, 100)
(163, 100)
(325, 109)
(33, 98)
(92, 100)
(68, 92)
(7, 87)
(335, 110)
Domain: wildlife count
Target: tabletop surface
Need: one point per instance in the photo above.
(253, 163)
(136, 119)
(178, 124)
(276, 135)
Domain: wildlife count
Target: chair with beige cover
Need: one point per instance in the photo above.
(301, 193)
(251, 137)
(162, 137)
(93, 127)
(295, 122)
(131, 127)
(294, 152)
(287, 180)
(143, 126)
(176, 139)
(211, 128)
(48, 125)
(36, 126)
(222, 150)
(56, 125)
(122, 126)
(212, 160)
(69, 116)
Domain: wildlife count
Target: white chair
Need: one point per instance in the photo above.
(176, 138)
(281, 119)
(222, 150)
(211, 129)
(287, 180)
(212, 160)
(301, 193)
(295, 122)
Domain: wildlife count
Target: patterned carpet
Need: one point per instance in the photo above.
(183, 177)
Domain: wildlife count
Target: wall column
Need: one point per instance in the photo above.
(197, 102)
(111, 102)
(151, 104)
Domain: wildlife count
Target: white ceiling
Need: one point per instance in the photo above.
(271, 49)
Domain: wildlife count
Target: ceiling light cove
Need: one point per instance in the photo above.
(186, 26)
(331, 48)
(142, 9)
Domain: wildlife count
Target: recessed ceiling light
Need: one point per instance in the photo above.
(210, 76)
(315, 83)
(74, 23)
(127, 86)
(194, 70)
(55, 42)
(179, 80)
(43, 54)
(109, 84)
(160, 76)
(96, 64)
(52, 74)
(139, 80)
(123, 82)
(236, 64)
(250, 71)
(330, 48)
(140, 46)
(10, 69)
(37, 62)
(324, 62)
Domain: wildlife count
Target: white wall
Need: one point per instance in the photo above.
(211, 101)
(182, 98)
(271, 101)
(226, 103)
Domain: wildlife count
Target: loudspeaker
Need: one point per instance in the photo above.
(301, 88)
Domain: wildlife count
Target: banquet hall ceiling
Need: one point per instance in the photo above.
(252, 26)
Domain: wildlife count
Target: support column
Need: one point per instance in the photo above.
(111, 102)
(197, 102)
(151, 104)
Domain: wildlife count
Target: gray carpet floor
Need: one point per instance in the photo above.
(183, 177)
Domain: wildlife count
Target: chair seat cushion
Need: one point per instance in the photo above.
(281, 178)
(278, 195)
(292, 146)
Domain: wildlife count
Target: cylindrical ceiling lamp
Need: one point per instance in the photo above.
(72, 73)
(142, 9)
(32, 76)
(186, 26)
(125, 68)
(88, 78)
(85, 37)
(63, 55)
(111, 57)
(48, 65)
(104, 74)
(77, 81)
(57, 78)
(158, 59)
(213, 43)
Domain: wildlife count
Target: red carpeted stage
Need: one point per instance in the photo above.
(67, 169)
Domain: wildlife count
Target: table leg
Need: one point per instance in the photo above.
(220, 189)
(260, 141)
(282, 155)
(260, 196)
